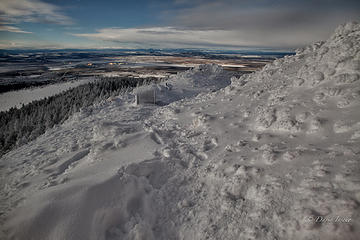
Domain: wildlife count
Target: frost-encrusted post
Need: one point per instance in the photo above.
(154, 96)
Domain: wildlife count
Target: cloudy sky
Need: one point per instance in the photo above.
(215, 24)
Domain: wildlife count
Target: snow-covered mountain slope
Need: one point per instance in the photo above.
(274, 155)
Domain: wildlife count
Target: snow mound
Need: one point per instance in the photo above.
(200, 79)
(205, 75)
(271, 155)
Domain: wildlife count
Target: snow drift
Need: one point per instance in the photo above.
(273, 155)
(200, 79)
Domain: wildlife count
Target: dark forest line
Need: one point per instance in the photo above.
(19, 126)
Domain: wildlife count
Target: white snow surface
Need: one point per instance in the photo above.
(201, 79)
(257, 159)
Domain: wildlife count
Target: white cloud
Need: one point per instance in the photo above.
(15, 11)
(40, 44)
(12, 29)
(236, 24)
(161, 37)
(170, 37)
(267, 23)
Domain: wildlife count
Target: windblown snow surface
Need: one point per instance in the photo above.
(273, 155)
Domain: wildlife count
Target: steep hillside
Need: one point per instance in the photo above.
(273, 155)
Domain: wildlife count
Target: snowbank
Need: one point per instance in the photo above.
(201, 79)
(274, 155)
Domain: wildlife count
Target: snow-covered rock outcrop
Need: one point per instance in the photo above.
(274, 155)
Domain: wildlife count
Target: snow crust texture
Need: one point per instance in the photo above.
(273, 155)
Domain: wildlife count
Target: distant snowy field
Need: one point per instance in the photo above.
(25, 96)
(269, 155)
